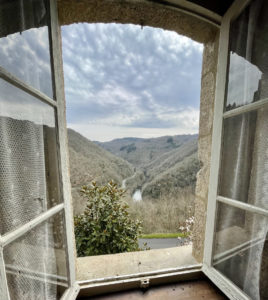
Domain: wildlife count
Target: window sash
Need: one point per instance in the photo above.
(4, 74)
(226, 285)
(59, 104)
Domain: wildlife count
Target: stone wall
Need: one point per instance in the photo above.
(208, 84)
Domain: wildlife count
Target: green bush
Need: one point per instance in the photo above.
(105, 227)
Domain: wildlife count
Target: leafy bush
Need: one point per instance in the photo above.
(105, 227)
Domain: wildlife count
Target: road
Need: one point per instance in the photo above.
(123, 186)
(161, 243)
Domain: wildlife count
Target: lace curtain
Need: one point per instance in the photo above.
(29, 175)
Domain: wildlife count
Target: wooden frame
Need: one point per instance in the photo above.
(62, 136)
(226, 285)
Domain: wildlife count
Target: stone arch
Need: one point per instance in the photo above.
(138, 12)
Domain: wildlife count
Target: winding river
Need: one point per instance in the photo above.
(137, 196)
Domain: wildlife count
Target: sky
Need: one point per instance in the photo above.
(130, 81)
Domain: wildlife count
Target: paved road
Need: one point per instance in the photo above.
(161, 243)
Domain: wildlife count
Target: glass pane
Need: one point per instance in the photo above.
(24, 42)
(248, 68)
(241, 249)
(36, 262)
(244, 162)
(29, 178)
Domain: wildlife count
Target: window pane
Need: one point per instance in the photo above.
(29, 179)
(241, 249)
(248, 68)
(244, 163)
(24, 42)
(36, 262)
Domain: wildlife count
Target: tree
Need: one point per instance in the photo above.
(105, 227)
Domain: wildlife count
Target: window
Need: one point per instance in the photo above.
(36, 256)
(236, 251)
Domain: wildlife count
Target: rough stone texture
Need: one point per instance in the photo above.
(139, 12)
(208, 82)
(207, 98)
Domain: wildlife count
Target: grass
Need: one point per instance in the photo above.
(163, 235)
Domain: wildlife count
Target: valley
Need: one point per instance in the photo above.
(158, 175)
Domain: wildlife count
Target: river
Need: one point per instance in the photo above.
(137, 196)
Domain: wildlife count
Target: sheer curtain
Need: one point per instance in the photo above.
(244, 172)
(28, 165)
(23, 196)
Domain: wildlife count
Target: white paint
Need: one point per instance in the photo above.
(137, 196)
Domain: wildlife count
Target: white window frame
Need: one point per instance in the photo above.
(59, 105)
(222, 282)
(226, 285)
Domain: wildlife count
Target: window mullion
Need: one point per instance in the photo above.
(25, 87)
(242, 205)
(246, 108)
(10, 237)
(4, 292)
(62, 136)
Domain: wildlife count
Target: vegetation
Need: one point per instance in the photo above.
(163, 168)
(146, 150)
(172, 180)
(89, 162)
(163, 235)
(105, 227)
(165, 214)
(128, 148)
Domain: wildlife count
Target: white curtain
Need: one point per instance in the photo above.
(24, 158)
(245, 171)
(30, 260)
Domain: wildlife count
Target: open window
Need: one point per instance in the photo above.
(237, 223)
(36, 249)
(36, 240)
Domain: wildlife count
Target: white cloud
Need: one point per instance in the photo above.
(130, 82)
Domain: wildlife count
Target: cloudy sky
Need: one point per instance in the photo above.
(124, 80)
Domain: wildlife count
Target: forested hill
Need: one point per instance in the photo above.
(139, 151)
(90, 162)
(163, 165)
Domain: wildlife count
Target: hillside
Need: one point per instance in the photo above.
(139, 152)
(173, 165)
(162, 170)
(90, 162)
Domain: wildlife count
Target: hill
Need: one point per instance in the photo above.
(139, 151)
(89, 162)
(162, 170)
(172, 165)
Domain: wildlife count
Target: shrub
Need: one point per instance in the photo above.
(105, 227)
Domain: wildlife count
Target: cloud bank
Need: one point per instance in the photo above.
(121, 80)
